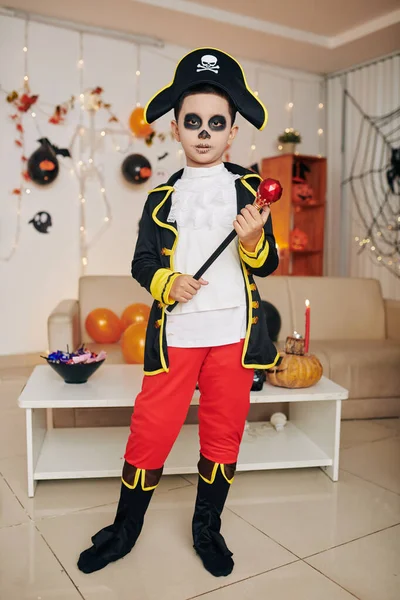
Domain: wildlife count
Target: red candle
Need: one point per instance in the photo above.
(307, 334)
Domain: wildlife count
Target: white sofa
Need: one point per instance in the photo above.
(355, 332)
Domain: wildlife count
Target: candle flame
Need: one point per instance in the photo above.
(307, 303)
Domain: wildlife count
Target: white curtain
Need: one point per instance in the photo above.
(356, 148)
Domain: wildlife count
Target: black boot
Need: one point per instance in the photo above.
(117, 540)
(213, 487)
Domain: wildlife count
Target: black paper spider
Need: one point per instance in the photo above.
(393, 174)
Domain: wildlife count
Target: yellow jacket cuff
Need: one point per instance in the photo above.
(259, 256)
(161, 285)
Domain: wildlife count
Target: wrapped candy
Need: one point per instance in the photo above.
(81, 356)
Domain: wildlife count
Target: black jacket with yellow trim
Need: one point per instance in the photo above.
(153, 268)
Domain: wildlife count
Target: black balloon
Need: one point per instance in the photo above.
(41, 221)
(273, 319)
(136, 169)
(43, 163)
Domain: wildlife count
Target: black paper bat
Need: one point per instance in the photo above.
(62, 151)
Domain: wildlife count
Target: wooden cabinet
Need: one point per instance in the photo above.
(300, 210)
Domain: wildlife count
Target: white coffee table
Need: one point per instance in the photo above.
(310, 438)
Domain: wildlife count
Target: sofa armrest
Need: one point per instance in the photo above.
(392, 313)
(63, 327)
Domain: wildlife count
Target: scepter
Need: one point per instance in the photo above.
(268, 192)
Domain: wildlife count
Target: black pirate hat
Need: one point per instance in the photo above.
(209, 65)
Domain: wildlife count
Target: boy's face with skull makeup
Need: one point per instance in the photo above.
(204, 128)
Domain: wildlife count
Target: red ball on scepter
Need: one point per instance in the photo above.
(269, 191)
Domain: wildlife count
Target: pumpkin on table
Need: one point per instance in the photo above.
(296, 369)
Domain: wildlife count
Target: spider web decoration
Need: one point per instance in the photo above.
(374, 183)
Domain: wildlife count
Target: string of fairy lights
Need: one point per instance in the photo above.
(290, 105)
(390, 260)
(88, 169)
(84, 168)
(22, 187)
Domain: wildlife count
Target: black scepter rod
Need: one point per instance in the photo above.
(269, 191)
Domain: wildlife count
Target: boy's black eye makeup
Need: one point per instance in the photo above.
(217, 123)
(192, 121)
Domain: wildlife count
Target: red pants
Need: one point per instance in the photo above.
(162, 405)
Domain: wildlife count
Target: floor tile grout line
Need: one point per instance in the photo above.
(369, 481)
(304, 558)
(17, 499)
(333, 581)
(242, 580)
(185, 478)
(361, 537)
(88, 508)
(359, 444)
(60, 563)
(366, 443)
(263, 533)
(68, 512)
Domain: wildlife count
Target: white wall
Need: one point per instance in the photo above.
(46, 268)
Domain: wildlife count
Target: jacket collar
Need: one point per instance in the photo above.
(245, 191)
(236, 169)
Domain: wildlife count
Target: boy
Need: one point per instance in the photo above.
(216, 335)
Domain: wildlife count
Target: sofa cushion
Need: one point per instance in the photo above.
(368, 369)
(342, 308)
(115, 292)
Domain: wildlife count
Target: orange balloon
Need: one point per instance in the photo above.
(138, 125)
(135, 313)
(133, 342)
(103, 326)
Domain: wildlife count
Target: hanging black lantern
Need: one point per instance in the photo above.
(136, 169)
(43, 164)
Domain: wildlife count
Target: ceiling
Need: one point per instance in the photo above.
(324, 17)
(319, 36)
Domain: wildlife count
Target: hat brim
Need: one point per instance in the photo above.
(244, 99)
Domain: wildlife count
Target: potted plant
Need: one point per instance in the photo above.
(288, 140)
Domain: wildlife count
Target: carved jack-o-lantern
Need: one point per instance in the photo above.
(302, 192)
(298, 239)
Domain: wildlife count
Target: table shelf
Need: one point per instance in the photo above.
(310, 438)
(98, 452)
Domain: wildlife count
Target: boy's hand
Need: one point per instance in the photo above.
(185, 287)
(249, 225)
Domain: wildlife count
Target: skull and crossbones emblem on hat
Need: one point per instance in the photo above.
(208, 63)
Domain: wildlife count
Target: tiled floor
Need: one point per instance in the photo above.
(295, 534)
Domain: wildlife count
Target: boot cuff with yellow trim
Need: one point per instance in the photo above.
(115, 541)
(212, 491)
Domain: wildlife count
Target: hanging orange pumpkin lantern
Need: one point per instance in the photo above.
(138, 125)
